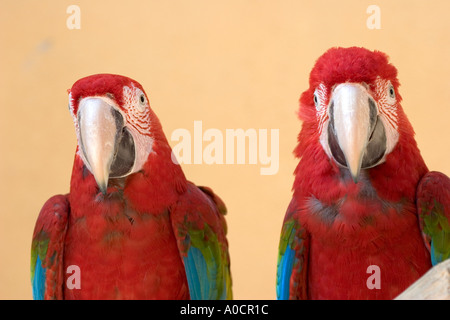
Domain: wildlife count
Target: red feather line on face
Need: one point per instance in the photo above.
(322, 112)
(138, 117)
(390, 111)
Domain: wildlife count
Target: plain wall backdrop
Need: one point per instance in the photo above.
(230, 64)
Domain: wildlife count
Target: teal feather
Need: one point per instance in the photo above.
(195, 264)
(38, 281)
(284, 270)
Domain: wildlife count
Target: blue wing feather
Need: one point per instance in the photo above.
(200, 230)
(47, 249)
(292, 258)
(284, 271)
(38, 281)
(194, 265)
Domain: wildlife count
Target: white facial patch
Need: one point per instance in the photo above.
(138, 122)
(387, 112)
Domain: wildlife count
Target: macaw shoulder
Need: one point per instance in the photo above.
(199, 203)
(53, 217)
(434, 185)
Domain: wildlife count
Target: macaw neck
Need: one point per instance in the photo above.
(400, 174)
(159, 183)
(151, 190)
(393, 181)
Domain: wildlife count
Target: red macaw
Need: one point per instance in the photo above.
(132, 226)
(364, 203)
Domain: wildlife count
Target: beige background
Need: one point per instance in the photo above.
(232, 64)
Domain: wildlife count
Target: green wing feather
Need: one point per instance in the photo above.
(433, 203)
(200, 228)
(292, 264)
(47, 249)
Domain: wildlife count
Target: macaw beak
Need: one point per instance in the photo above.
(106, 146)
(356, 137)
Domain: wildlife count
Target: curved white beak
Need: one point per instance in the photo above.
(353, 119)
(98, 127)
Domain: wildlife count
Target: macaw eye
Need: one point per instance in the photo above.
(142, 99)
(316, 101)
(391, 92)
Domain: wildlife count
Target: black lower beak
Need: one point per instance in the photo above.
(124, 156)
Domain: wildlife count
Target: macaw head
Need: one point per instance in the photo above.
(353, 107)
(115, 126)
